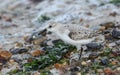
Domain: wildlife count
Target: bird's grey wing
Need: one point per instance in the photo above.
(79, 32)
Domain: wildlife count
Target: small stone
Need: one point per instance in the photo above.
(18, 50)
(74, 69)
(114, 62)
(25, 38)
(83, 63)
(102, 28)
(18, 45)
(100, 70)
(118, 69)
(118, 42)
(104, 61)
(108, 25)
(7, 18)
(39, 41)
(36, 53)
(2, 61)
(1, 67)
(112, 44)
(37, 73)
(108, 71)
(93, 46)
(116, 33)
(5, 54)
(116, 53)
(113, 14)
(78, 73)
(57, 65)
(93, 55)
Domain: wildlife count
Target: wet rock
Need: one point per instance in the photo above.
(55, 41)
(18, 50)
(104, 61)
(116, 33)
(74, 69)
(93, 55)
(36, 1)
(94, 46)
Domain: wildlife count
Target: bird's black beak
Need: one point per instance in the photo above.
(43, 32)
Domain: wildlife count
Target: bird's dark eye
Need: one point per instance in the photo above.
(50, 26)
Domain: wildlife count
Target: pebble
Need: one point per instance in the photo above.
(102, 28)
(108, 71)
(0, 67)
(74, 69)
(6, 18)
(118, 69)
(116, 53)
(116, 33)
(36, 53)
(5, 54)
(114, 62)
(93, 55)
(112, 44)
(104, 61)
(18, 50)
(18, 45)
(93, 46)
(100, 70)
(108, 25)
(118, 42)
(83, 63)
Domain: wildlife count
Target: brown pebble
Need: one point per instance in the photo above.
(114, 62)
(25, 38)
(108, 25)
(108, 71)
(6, 18)
(102, 28)
(36, 53)
(39, 40)
(113, 14)
(18, 45)
(5, 54)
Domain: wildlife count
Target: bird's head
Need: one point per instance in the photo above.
(52, 27)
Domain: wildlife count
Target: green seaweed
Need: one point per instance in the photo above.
(43, 18)
(115, 1)
(53, 55)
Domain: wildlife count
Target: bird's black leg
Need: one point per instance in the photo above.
(80, 53)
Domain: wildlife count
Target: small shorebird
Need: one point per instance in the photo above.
(73, 34)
